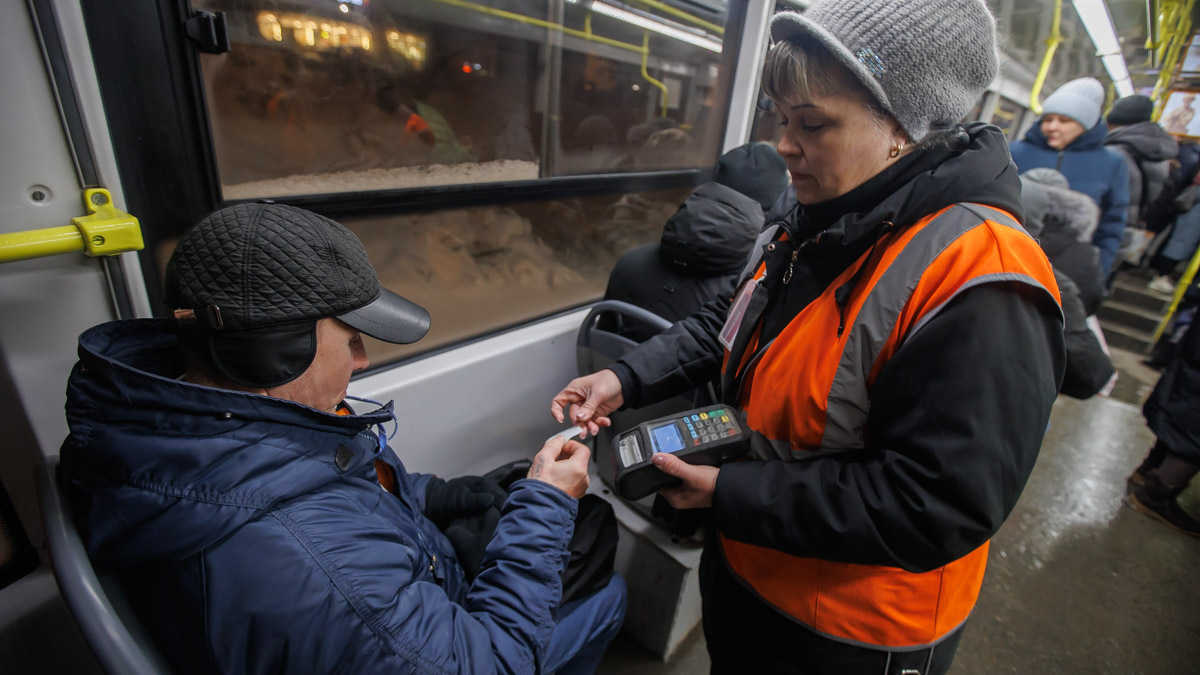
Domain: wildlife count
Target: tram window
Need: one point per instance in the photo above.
(480, 269)
(330, 97)
(1008, 116)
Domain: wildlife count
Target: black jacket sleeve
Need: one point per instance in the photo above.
(957, 417)
(685, 356)
(1088, 367)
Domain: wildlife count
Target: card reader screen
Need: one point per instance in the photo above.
(666, 438)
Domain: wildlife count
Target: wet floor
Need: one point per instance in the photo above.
(1076, 582)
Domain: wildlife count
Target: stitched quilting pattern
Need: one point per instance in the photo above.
(270, 264)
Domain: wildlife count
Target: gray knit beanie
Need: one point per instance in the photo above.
(1081, 100)
(926, 62)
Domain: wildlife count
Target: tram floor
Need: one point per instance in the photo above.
(1077, 582)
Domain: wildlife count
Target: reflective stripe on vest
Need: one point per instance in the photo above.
(810, 393)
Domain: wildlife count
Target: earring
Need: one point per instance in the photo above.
(896, 150)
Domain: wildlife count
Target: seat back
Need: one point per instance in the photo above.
(597, 348)
(107, 623)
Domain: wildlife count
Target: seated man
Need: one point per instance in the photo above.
(257, 525)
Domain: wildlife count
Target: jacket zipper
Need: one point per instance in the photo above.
(787, 274)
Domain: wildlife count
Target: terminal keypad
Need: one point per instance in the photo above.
(709, 426)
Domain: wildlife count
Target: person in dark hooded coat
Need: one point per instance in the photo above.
(1088, 367)
(705, 244)
(1146, 148)
(1173, 414)
(1067, 220)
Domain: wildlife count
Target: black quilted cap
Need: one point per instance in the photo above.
(254, 266)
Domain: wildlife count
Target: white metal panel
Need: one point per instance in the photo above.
(44, 303)
(473, 408)
(748, 71)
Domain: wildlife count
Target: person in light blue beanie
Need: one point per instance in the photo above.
(1070, 138)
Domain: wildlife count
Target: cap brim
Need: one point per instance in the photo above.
(390, 318)
(786, 25)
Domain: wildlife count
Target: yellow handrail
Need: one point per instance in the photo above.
(1175, 23)
(105, 231)
(1180, 290)
(680, 14)
(1052, 43)
(646, 73)
(585, 34)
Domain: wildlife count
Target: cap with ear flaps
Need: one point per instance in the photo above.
(253, 279)
(926, 63)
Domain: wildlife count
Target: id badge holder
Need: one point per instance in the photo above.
(732, 324)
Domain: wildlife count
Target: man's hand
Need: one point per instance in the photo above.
(563, 464)
(699, 482)
(594, 397)
(469, 535)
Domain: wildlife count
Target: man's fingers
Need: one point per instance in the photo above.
(554, 446)
(579, 454)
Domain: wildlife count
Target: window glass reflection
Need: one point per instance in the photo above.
(319, 96)
(480, 269)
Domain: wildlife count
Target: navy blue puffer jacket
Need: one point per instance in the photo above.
(1092, 169)
(251, 534)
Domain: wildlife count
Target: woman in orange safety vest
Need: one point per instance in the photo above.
(896, 362)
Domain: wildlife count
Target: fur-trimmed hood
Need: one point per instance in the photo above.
(1058, 209)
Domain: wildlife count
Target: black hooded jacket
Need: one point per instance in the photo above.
(703, 247)
(1173, 409)
(1147, 151)
(957, 414)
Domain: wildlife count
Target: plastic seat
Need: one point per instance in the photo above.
(596, 348)
(108, 626)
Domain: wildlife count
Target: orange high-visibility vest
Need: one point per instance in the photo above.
(809, 392)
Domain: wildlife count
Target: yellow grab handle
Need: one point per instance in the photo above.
(104, 231)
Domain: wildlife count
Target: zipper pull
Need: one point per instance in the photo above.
(787, 275)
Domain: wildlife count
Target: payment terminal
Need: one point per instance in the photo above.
(710, 436)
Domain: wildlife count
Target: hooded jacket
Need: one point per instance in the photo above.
(1092, 169)
(1063, 222)
(251, 534)
(1173, 409)
(703, 247)
(968, 396)
(1147, 151)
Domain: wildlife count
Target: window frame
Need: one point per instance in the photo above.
(158, 116)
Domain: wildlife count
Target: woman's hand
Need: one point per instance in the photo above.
(699, 482)
(594, 397)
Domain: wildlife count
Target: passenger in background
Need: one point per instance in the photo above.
(1146, 149)
(258, 524)
(896, 362)
(1088, 367)
(1070, 138)
(1068, 219)
(1173, 414)
(705, 244)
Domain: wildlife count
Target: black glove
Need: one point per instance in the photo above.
(462, 496)
(469, 535)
